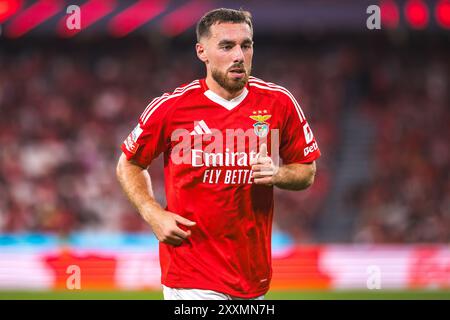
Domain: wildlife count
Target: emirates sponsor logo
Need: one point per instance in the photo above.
(210, 147)
(225, 156)
(241, 159)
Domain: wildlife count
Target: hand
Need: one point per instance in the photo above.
(165, 227)
(263, 168)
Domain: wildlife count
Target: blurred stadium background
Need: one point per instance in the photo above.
(376, 223)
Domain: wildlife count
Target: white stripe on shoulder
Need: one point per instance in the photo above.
(157, 99)
(151, 104)
(164, 99)
(273, 85)
(281, 89)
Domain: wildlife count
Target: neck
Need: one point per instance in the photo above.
(221, 91)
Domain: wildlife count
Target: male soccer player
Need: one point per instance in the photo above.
(216, 134)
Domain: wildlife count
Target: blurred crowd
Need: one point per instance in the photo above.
(64, 111)
(408, 197)
(63, 118)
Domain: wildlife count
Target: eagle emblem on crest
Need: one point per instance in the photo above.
(261, 127)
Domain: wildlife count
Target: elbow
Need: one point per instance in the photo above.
(119, 167)
(125, 168)
(309, 179)
(305, 184)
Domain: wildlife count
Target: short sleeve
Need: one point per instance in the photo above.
(298, 144)
(148, 139)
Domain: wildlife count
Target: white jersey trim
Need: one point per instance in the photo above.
(273, 87)
(158, 99)
(227, 104)
(156, 104)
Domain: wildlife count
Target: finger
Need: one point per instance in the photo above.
(260, 167)
(180, 233)
(184, 221)
(262, 174)
(264, 181)
(261, 157)
(261, 160)
(174, 241)
(264, 163)
(177, 237)
(265, 160)
(263, 151)
(171, 239)
(262, 170)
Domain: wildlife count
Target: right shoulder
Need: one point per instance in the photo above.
(165, 103)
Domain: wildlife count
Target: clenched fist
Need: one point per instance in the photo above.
(263, 168)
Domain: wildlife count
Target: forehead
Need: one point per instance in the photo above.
(230, 31)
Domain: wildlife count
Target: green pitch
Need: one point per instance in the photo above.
(272, 295)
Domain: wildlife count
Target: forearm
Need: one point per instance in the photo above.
(136, 183)
(295, 176)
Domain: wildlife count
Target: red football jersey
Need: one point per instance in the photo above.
(208, 143)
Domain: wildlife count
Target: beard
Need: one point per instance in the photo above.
(230, 84)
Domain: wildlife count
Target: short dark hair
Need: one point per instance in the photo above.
(222, 15)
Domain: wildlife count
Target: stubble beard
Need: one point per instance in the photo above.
(228, 83)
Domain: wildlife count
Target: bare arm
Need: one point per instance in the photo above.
(295, 176)
(136, 183)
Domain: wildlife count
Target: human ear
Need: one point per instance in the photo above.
(201, 52)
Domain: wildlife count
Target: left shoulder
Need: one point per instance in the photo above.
(269, 87)
(277, 92)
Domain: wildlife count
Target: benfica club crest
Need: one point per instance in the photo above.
(261, 127)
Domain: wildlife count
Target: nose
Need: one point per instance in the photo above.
(238, 55)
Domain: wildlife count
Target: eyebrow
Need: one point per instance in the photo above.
(228, 42)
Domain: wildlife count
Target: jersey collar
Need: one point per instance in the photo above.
(227, 104)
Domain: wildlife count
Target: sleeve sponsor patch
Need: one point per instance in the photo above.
(136, 133)
(131, 141)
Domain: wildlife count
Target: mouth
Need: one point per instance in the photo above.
(238, 72)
